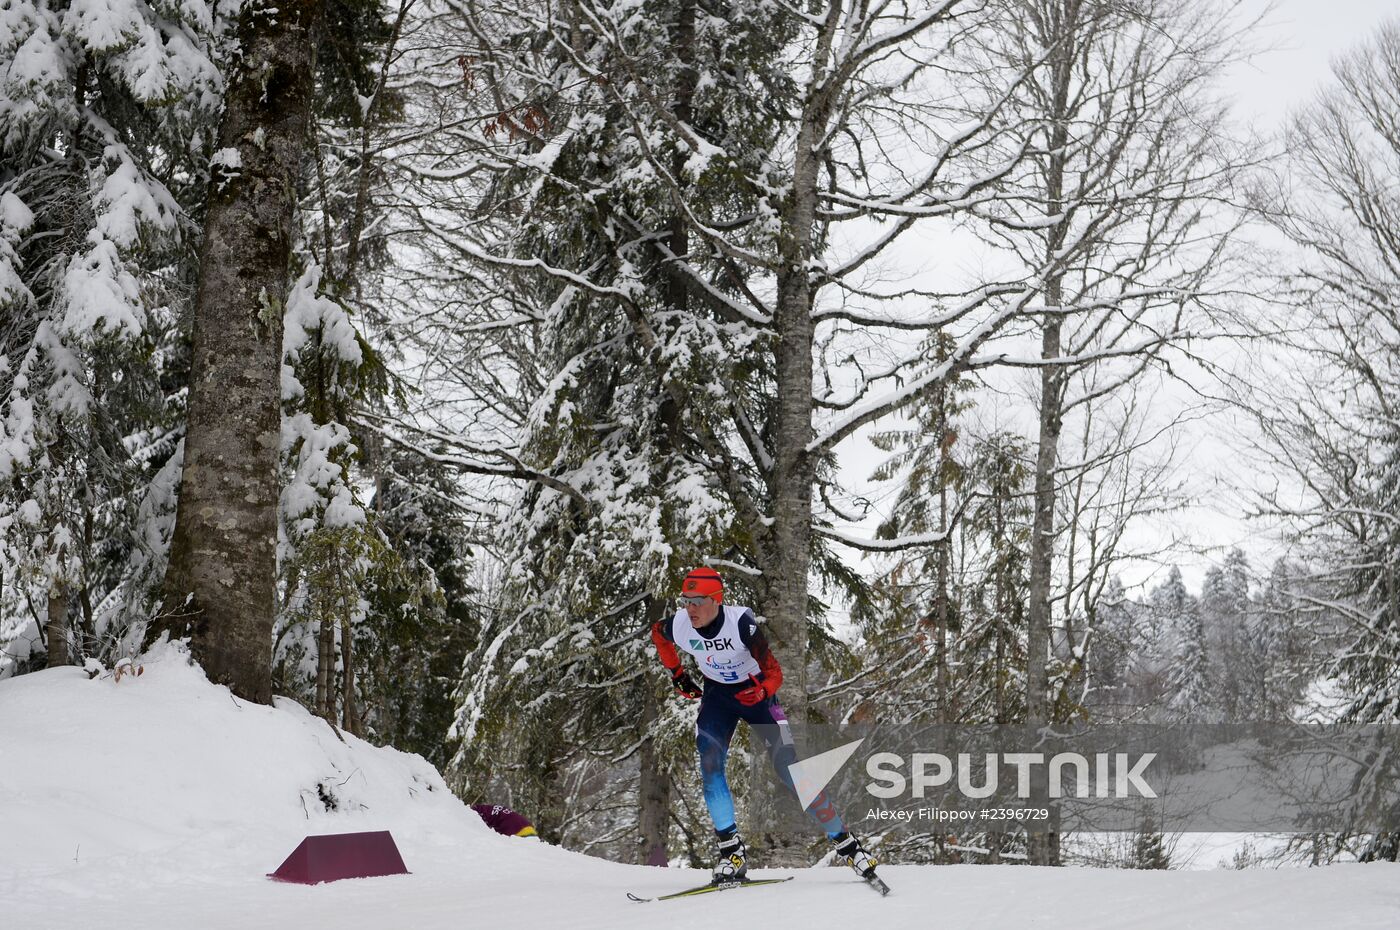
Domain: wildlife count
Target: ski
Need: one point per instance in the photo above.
(713, 886)
(877, 883)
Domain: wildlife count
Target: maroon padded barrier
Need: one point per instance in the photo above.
(341, 855)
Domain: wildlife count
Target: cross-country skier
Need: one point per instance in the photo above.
(742, 677)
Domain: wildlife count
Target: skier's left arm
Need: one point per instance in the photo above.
(770, 679)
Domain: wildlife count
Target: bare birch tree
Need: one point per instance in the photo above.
(1130, 157)
(1326, 401)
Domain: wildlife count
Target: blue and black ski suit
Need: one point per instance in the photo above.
(732, 653)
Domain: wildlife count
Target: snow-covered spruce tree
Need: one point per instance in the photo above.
(944, 638)
(335, 560)
(641, 372)
(1226, 609)
(829, 100)
(1169, 611)
(993, 648)
(989, 655)
(1281, 644)
(1189, 692)
(105, 119)
(987, 525)
(1150, 848)
(1367, 591)
(220, 587)
(912, 618)
(347, 588)
(1115, 624)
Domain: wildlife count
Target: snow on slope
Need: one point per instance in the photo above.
(162, 801)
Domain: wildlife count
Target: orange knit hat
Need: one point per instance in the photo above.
(704, 582)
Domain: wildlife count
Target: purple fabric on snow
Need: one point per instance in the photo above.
(504, 820)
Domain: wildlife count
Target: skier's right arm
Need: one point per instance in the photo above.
(680, 679)
(665, 649)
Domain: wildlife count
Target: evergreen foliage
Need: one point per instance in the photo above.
(105, 130)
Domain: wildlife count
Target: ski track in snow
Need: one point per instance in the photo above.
(161, 802)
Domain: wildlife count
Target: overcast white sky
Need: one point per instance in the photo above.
(1303, 35)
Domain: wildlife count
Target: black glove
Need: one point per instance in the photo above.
(685, 685)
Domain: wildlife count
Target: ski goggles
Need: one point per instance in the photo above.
(693, 599)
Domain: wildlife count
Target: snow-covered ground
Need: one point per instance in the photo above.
(161, 802)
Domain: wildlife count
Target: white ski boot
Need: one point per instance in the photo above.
(733, 864)
(849, 850)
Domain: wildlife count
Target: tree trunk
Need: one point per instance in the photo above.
(655, 798)
(56, 628)
(677, 285)
(1003, 599)
(220, 588)
(1042, 561)
(85, 640)
(1064, 20)
(793, 467)
(942, 605)
(1043, 531)
(350, 713)
(654, 782)
(654, 790)
(325, 670)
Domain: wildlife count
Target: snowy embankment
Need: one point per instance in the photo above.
(161, 802)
